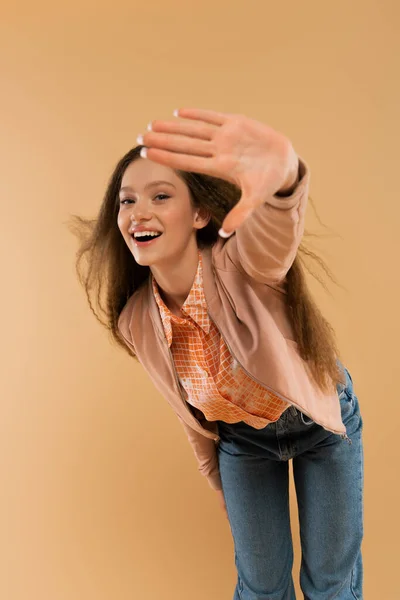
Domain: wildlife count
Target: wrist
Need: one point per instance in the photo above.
(291, 182)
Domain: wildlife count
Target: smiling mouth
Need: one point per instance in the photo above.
(145, 240)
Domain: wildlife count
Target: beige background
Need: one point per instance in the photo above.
(100, 497)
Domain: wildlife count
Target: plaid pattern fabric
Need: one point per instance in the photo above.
(212, 378)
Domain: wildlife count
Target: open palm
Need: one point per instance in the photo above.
(258, 159)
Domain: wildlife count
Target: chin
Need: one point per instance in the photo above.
(143, 262)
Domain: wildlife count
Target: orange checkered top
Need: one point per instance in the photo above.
(213, 379)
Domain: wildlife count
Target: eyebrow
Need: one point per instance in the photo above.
(148, 185)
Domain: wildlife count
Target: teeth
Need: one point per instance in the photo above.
(143, 233)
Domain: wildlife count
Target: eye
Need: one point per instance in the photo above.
(130, 199)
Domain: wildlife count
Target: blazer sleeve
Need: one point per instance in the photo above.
(205, 451)
(266, 243)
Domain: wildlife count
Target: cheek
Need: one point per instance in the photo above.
(122, 222)
(122, 225)
(179, 219)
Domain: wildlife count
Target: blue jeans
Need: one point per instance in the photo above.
(329, 479)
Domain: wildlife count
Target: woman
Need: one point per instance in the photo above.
(223, 322)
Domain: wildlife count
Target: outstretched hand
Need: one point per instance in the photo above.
(258, 159)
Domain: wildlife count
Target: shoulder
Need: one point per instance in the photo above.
(136, 301)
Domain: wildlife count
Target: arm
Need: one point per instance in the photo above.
(205, 451)
(266, 243)
(204, 448)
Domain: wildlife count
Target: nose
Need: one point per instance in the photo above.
(140, 211)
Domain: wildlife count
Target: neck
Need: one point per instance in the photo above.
(175, 279)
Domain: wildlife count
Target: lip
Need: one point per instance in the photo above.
(144, 244)
(143, 228)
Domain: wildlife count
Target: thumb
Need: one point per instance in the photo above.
(236, 217)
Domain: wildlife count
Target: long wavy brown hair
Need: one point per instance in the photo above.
(111, 274)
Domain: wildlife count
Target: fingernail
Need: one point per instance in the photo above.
(224, 234)
(139, 139)
(176, 112)
(149, 127)
(143, 153)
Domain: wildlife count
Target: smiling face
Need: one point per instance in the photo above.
(164, 206)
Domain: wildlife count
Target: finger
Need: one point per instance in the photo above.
(196, 130)
(236, 217)
(177, 143)
(208, 116)
(181, 161)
